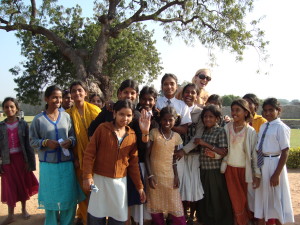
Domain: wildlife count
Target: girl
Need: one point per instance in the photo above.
(67, 101)
(240, 165)
(82, 114)
(215, 207)
(110, 154)
(147, 100)
(52, 134)
(272, 198)
(17, 161)
(163, 194)
(97, 100)
(192, 190)
(217, 100)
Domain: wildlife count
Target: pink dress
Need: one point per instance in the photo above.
(164, 198)
(17, 183)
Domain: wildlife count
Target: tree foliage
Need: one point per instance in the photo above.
(217, 24)
(228, 99)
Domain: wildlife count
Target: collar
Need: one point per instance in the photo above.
(276, 121)
(166, 99)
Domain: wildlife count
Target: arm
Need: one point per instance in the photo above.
(151, 177)
(29, 150)
(176, 179)
(144, 124)
(274, 181)
(181, 129)
(220, 151)
(96, 122)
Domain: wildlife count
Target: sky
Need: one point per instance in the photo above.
(229, 77)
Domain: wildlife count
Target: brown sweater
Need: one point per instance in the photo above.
(105, 157)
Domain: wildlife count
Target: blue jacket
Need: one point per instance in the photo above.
(23, 133)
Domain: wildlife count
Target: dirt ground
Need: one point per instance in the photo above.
(37, 215)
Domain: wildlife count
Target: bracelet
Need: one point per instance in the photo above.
(174, 164)
(150, 176)
(213, 148)
(44, 143)
(145, 135)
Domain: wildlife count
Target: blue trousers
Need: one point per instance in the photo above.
(66, 217)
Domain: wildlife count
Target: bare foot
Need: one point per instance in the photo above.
(8, 220)
(25, 215)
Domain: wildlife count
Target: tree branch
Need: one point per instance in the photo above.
(33, 12)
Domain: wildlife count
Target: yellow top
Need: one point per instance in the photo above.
(257, 121)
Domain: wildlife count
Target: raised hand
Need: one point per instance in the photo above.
(145, 121)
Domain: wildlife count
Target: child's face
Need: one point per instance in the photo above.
(270, 113)
(167, 122)
(78, 94)
(252, 106)
(67, 101)
(238, 113)
(96, 100)
(209, 119)
(147, 102)
(190, 96)
(169, 87)
(10, 109)
(54, 100)
(123, 117)
(127, 93)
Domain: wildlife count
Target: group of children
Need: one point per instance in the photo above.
(149, 161)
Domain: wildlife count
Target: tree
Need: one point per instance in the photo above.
(215, 23)
(228, 99)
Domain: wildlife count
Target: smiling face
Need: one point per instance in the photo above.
(167, 122)
(10, 109)
(189, 96)
(96, 100)
(78, 94)
(252, 106)
(202, 83)
(169, 87)
(147, 102)
(54, 100)
(123, 117)
(270, 112)
(128, 93)
(67, 101)
(238, 113)
(209, 119)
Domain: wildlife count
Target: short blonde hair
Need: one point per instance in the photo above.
(199, 71)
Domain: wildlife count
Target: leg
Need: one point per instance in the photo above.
(10, 218)
(277, 222)
(67, 216)
(112, 221)
(25, 214)
(91, 220)
(261, 222)
(51, 217)
(178, 220)
(158, 219)
(185, 208)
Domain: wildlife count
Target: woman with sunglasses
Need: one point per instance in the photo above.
(201, 79)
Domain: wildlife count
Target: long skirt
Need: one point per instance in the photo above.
(215, 208)
(17, 184)
(238, 192)
(191, 188)
(273, 202)
(59, 188)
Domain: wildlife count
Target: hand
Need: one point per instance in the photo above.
(109, 105)
(256, 182)
(209, 153)
(53, 144)
(274, 181)
(227, 118)
(145, 121)
(87, 184)
(142, 195)
(176, 182)
(178, 154)
(76, 163)
(198, 141)
(152, 182)
(221, 151)
(66, 144)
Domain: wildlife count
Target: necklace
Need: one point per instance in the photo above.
(52, 117)
(166, 139)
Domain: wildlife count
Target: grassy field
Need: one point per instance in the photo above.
(295, 134)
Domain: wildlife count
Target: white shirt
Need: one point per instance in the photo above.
(181, 108)
(277, 137)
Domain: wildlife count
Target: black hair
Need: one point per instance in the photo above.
(214, 99)
(253, 98)
(191, 85)
(244, 105)
(273, 102)
(94, 95)
(149, 90)
(7, 99)
(123, 104)
(49, 91)
(81, 83)
(129, 83)
(168, 75)
(214, 109)
(65, 92)
(167, 110)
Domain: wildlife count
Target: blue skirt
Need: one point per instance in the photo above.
(59, 189)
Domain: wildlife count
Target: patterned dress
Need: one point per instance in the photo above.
(164, 198)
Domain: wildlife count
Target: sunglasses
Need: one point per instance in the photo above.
(202, 77)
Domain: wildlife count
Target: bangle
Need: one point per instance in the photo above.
(174, 164)
(44, 143)
(145, 135)
(150, 176)
(213, 148)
